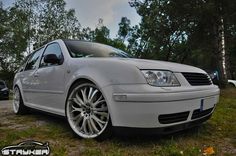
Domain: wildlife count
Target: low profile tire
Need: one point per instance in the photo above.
(18, 104)
(87, 112)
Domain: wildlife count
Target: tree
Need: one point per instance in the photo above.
(124, 28)
(101, 34)
(13, 40)
(31, 23)
(49, 20)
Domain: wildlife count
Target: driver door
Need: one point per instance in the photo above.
(51, 78)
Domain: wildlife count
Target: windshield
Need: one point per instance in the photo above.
(79, 49)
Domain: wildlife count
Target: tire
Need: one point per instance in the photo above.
(87, 112)
(18, 105)
(231, 85)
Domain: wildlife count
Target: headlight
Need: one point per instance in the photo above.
(4, 89)
(160, 78)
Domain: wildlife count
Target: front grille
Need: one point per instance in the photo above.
(198, 114)
(197, 79)
(172, 118)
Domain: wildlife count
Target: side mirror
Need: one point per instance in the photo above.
(52, 58)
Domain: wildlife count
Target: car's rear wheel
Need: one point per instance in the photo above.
(18, 104)
(87, 112)
(231, 85)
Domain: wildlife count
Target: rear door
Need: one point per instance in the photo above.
(28, 77)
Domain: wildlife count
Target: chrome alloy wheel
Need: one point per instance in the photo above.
(87, 111)
(16, 100)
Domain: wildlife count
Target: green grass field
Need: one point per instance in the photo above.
(219, 132)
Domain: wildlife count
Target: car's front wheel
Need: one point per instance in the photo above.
(87, 112)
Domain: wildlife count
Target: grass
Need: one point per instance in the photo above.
(10, 95)
(219, 132)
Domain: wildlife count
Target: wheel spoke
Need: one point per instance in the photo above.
(101, 113)
(93, 125)
(91, 96)
(75, 109)
(84, 125)
(90, 126)
(103, 109)
(99, 98)
(98, 120)
(84, 95)
(90, 93)
(76, 102)
(79, 100)
(99, 124)
(76, 117)
(98, 102)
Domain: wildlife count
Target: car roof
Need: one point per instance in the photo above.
(83, 41)
(77, 40)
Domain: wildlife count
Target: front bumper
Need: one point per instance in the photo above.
(144, 106)
(161, 130)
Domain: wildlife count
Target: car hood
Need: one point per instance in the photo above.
(163, 65)
(141, 64)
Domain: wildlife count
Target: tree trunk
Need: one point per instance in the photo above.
(221, 52)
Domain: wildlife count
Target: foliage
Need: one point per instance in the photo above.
(101, 34)
(49, 20)
(124, 28)
(13, 40)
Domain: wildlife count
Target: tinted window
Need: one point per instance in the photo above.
(88, 49)
(33, 60)
(53, 48)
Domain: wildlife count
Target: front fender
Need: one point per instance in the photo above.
(104, 72)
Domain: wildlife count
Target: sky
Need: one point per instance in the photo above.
(88, 12)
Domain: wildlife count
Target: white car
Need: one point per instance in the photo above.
(97, 87)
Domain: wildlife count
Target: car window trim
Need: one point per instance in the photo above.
(24, 65)
(29, 56)
(39, 66)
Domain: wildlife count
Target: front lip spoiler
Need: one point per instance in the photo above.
(161, 130)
